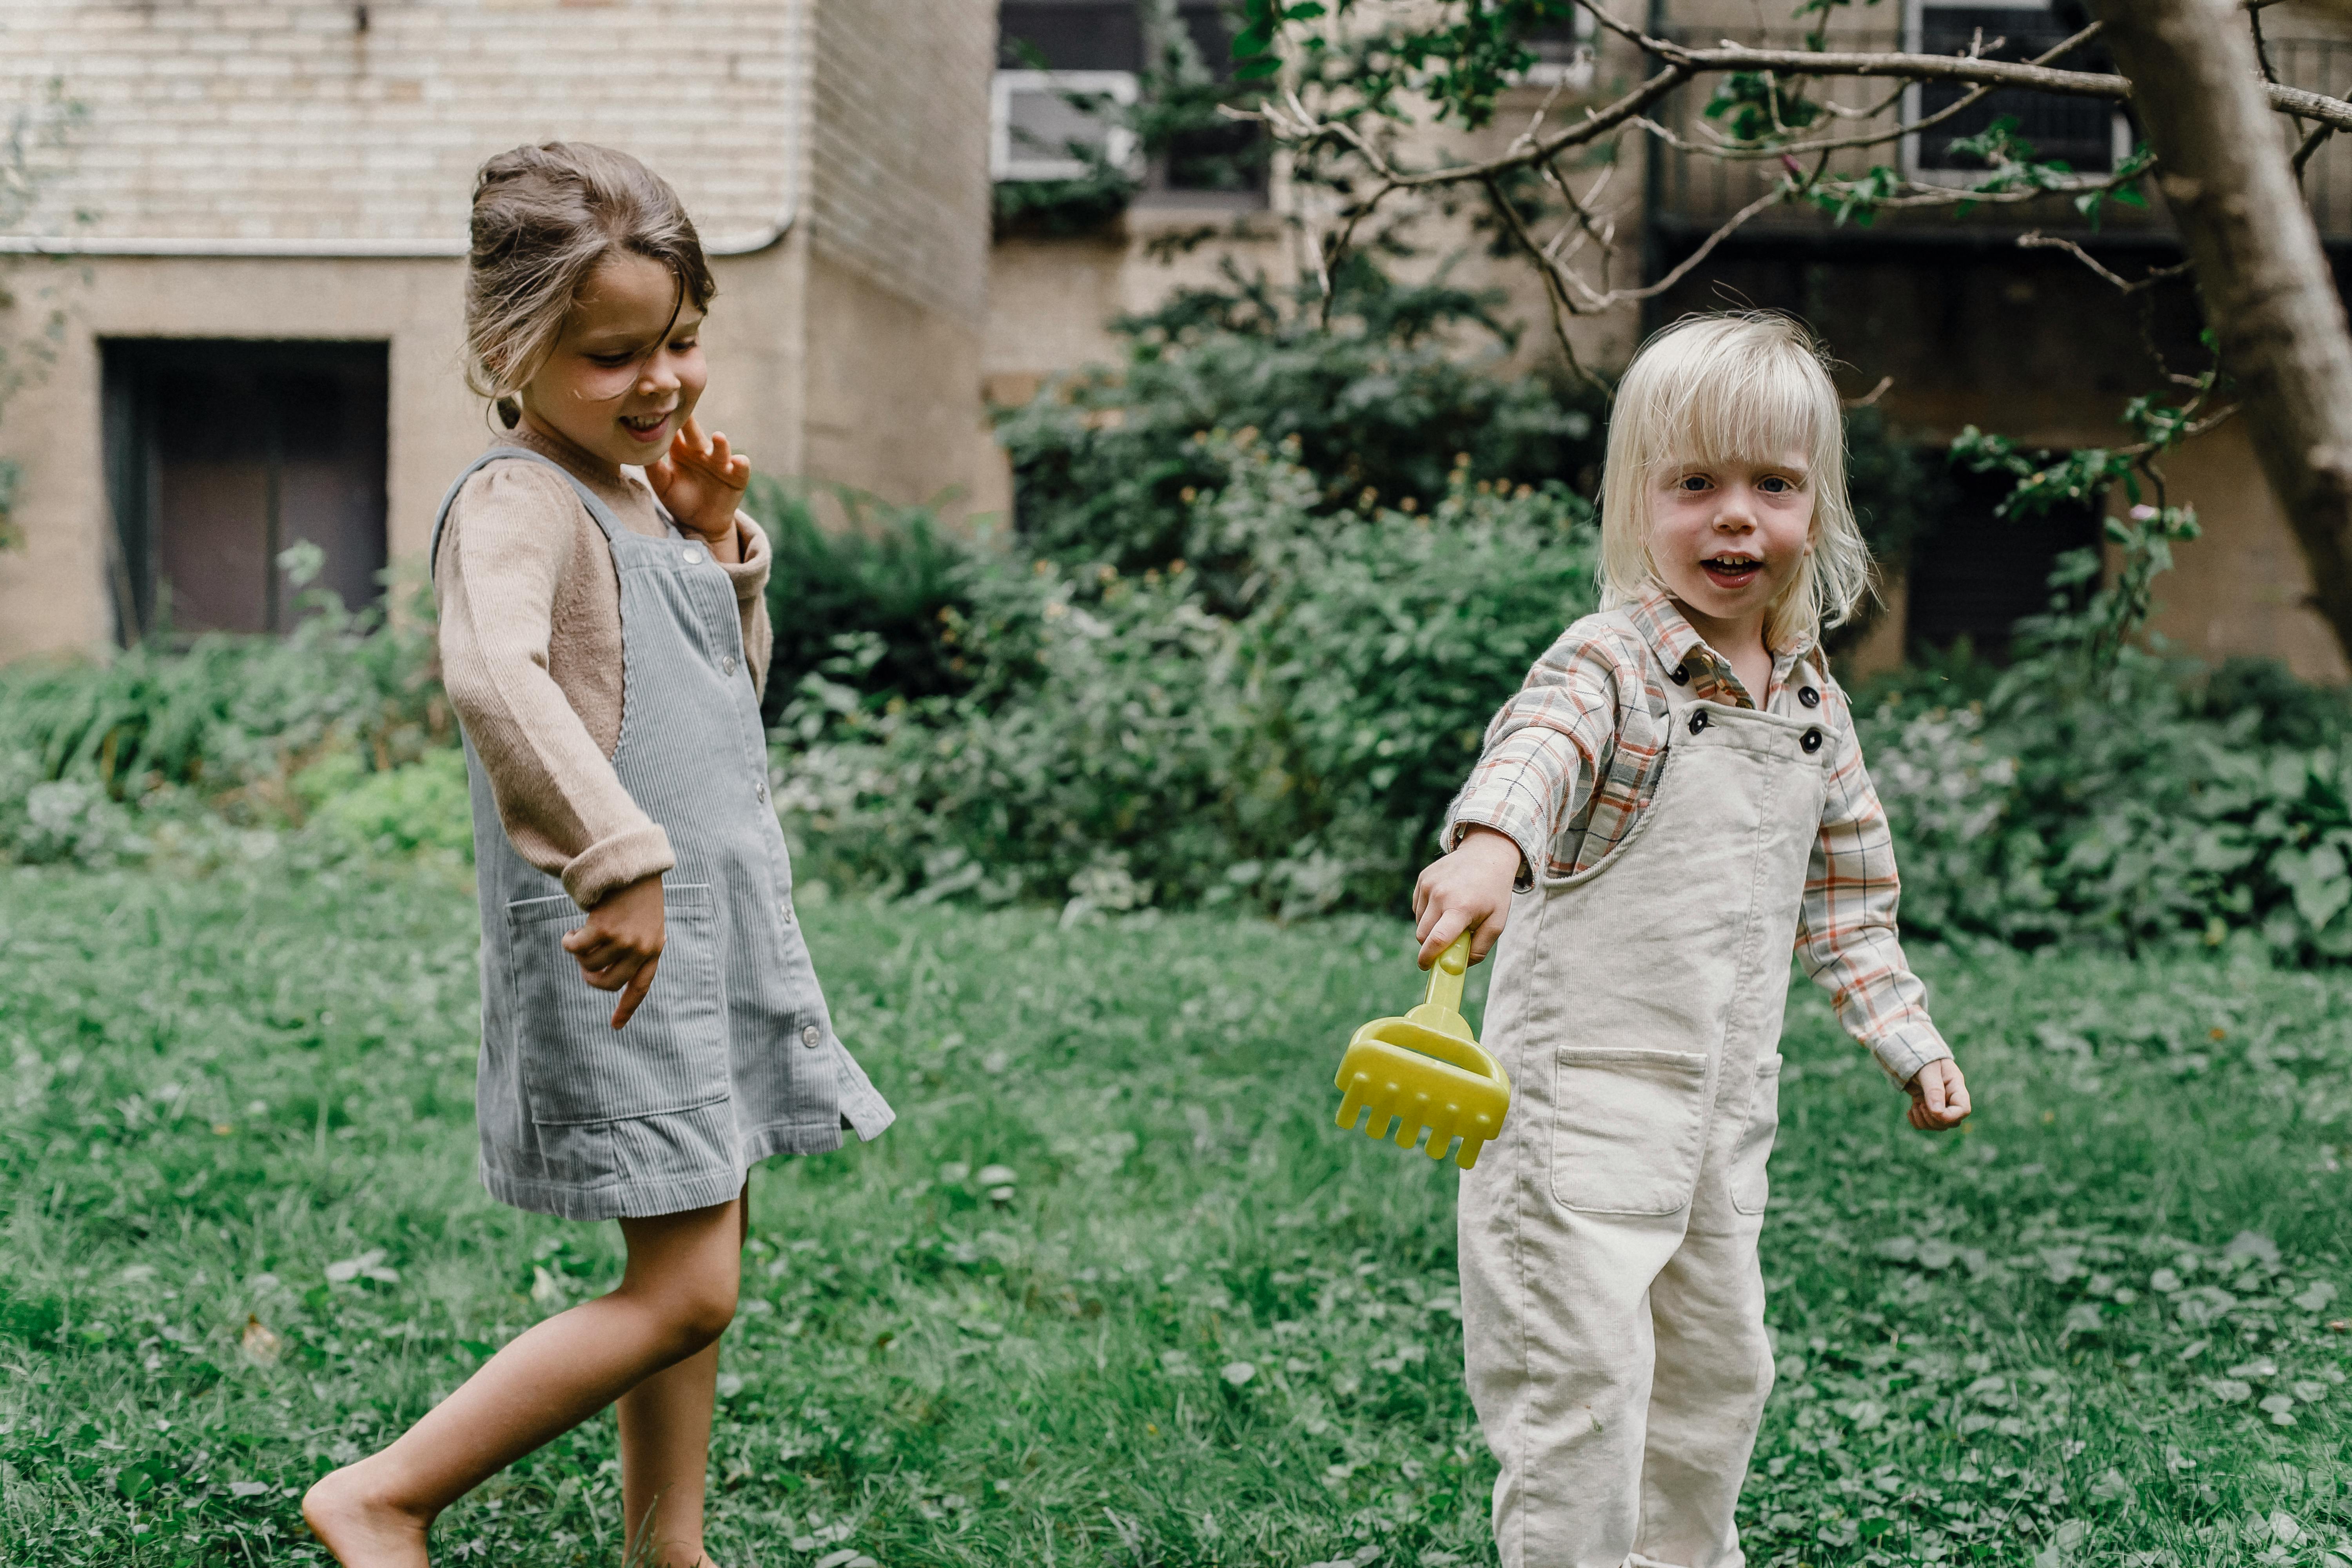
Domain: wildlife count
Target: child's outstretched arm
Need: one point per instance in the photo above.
(1847, 940)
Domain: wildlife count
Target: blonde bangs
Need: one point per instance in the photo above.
(1751, 387)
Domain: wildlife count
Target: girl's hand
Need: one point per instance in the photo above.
(1468, 890)
(1940, 1096)
(702, 483)
(621, 944)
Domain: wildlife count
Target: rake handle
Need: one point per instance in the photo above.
(1447, 975)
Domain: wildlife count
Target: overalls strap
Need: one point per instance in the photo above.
(598, 510)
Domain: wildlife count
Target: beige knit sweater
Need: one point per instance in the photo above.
(531, 655)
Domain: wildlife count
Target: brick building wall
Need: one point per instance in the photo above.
(319, 120)
(302, 170)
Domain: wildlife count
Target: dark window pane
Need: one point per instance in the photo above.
(2079, 130)
(1976, 575)
(1069, 35)
(1225, 157)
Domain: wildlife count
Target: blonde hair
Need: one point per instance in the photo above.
(1733, 386)
(543, 218)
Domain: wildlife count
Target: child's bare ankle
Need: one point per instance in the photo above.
(348, 1511)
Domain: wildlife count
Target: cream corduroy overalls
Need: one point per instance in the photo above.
(1612, 1303)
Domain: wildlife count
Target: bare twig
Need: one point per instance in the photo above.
(1870, 399)
(1554, 292)
(2311, 144)
(2037, 240)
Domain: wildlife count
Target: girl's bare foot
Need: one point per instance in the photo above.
(360, 1527)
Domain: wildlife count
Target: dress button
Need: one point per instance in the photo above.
(727, 664)
(1679, 676)
(784, 908)
(1811, 741)
(760, 790)
(812, 1036)
(1808, 697)
(689, 554)
(1698, 722)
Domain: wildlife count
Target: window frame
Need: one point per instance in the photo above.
(1007, 164)
(1915, 17)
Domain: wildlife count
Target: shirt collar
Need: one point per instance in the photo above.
(1679, 647)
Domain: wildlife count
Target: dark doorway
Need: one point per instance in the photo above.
(1976, 575)
(223, 454)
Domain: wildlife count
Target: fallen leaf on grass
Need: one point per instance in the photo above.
(260, 1342)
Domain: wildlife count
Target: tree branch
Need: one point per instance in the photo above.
(2114, 88)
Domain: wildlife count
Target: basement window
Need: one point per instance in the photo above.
(223, 454)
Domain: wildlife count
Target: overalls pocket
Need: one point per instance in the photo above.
(576, 1068)
(1749, 1187)
(1627, 1127)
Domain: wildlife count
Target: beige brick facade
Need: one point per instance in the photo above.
(302, 170)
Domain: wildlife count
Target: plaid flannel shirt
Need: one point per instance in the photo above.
(1570, 763)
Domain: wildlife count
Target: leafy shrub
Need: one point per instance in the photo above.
(1126, 743)
(230, 716)
(94, 751)
(885, 581)
(1380, 405)
(2138, 801)
(421, 805)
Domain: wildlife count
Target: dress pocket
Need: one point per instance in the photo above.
(577, 1068)
(1625, 1136)
(1749, 1184)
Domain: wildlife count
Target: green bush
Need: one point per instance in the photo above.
(1380, 407)
(90, 751)
(885, 582)
(2139, 801)
(1124, 743)
(421, 805)
(230, 716)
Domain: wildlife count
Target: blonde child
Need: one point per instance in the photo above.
(603, 640)
(1673, 801)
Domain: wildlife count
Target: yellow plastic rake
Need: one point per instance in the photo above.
(1427, 1070)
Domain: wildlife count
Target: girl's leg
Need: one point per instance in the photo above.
(666, 1448)
(675, 1298)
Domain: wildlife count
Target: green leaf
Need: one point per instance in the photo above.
(1255, 39)
(1253, 70)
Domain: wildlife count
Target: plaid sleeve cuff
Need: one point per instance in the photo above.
(1516, 801)
(1907, 1048)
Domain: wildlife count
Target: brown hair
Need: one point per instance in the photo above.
(543, 217)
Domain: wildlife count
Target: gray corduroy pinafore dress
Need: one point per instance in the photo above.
(731, 1057)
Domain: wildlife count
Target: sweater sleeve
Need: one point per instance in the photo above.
(512, 538)
(751, 579)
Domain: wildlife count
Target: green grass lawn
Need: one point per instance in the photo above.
(1114, 1291)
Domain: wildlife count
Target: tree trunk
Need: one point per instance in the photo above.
(2269, 295)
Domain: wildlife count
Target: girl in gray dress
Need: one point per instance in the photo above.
(603, 641)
